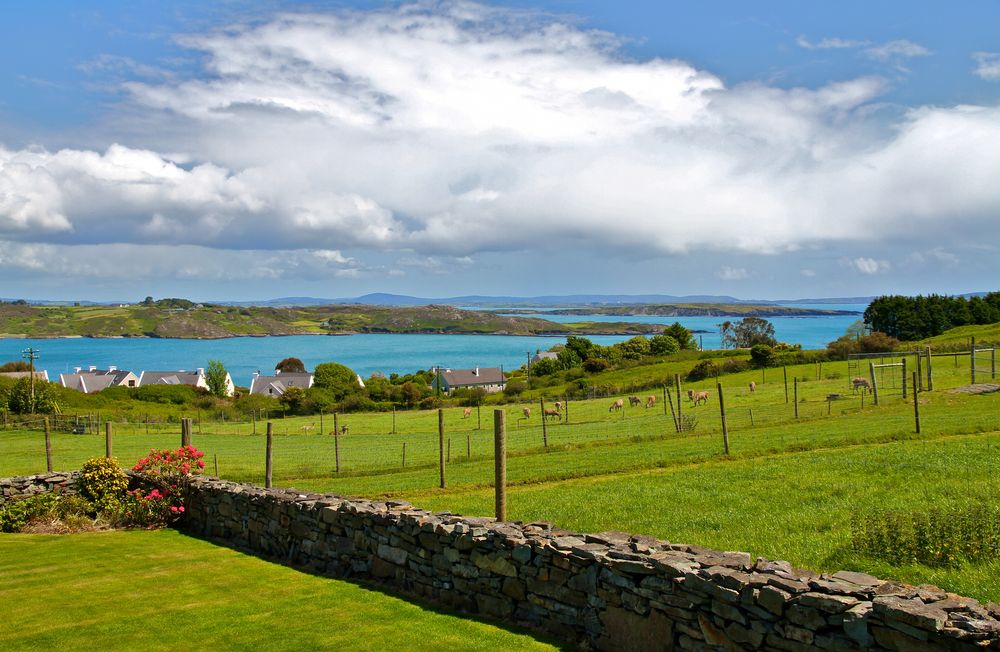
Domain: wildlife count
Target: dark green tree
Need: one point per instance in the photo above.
(215, 378)
(290, 365)
(753, 330)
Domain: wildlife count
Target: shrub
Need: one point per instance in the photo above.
(702, 370)
(595, 365)
(103, 482)
(515, 388)
(762, 355)
(152, 509)
(73, 511)
(732, 366)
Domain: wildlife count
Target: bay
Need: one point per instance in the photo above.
(367, 354)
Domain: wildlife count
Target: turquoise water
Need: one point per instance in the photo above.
(365, 353)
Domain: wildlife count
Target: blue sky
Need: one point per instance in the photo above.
(240, 150)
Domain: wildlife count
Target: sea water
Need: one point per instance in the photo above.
(366, 354)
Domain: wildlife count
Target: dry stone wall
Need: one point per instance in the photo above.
(26, 486)
(607, 591)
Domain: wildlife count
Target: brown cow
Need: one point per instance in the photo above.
(549, 412)
(698, 397)
(466, 413)
(651, 401)
(526, 412)
(558, 406)
(753, 387)
(634, 401)
(863, 383)
(617, 405)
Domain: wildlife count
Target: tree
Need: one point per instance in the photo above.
(753, 330)
(633, 348)
(762, 355)
(19, 398)
(290, 365)
(337, 378)
(411, 393)
(726, 334)
(663, 345)
(292, 398)
(215, 378)
(581, 346)
(683, 336)
(15, 365)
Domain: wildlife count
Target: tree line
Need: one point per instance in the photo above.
(919, 317)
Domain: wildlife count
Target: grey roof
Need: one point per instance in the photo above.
(168, 378)
(280, 382)
(471, 377)
(95, 380)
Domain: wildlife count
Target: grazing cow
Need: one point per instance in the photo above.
(634, 401)
(558, 405)
(343, 429)
(306, 429)
(526, 412)
(466, 413)
(617, 405)
(549, 412)
(863, 383)
(753, 387)
(698, 397)
(651, 401)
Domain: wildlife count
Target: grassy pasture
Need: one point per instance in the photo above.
(162, 590)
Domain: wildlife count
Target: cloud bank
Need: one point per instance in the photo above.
(439, 131)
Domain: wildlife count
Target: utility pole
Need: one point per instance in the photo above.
(31, 354)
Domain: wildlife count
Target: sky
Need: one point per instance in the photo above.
(261, 149)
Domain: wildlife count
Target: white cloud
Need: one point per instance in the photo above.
(987, 65)
(441, 131)
(898, 49)
(869, 265)
(808, 273)
(732, 274)
(829, 43)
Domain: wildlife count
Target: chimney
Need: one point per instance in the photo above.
(201, 371)
(77, 370)
(91, 368)
(112, 367)
(476, 372)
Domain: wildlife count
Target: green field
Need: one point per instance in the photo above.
(787, 489)
(162, 590)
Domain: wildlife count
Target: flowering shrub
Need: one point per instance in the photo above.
(103, 482)
(165, 503)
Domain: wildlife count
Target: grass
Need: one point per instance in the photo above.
(161, 590)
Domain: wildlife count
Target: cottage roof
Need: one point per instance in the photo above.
(472, 377)
(169, 378)
(280, 382)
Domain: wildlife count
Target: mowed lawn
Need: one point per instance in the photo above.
(161, 590)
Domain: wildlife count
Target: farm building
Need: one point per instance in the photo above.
(94, 379)
(195, 379)
(277, 385)
(491, 379)
(544, 355)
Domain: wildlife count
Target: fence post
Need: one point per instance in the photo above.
(796, 395)
(336, 431)
(665, 401)
(216, 465)
(972, 360)
(919, 387)
(269, 456)
(48, 447)
(108, 436)
(722, 412)
(670, 400)
(404, 454)
(441, 445)
(904, 380)
(871, 368)
(336, 451)
(321, 422)
(916, 407)
(677, 384)
(545, 431)
(566, 416)
(751, 417)
(930, 377)
(500, 463)
(784, 371)
(993, 363)
(185, 432)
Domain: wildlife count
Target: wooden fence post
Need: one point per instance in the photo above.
(185, 432)
(904, 380)
(545, 430)
(919, 387)
(321, 422)
(269, 456)
(441, 445)
(677, 384)
(500, 463)
(216, 465)
(871, 367)
(796, 396)
(336, 451)
(336, 431)
(930, 377)
(916, 407)
(673, 415)
(722, 412)
(48, 447)
(404, 454)
(972, 360)
(108, 437)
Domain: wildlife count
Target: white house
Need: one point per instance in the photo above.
(195, 379)
(491, 379)
(277, 385)
(94, 379)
